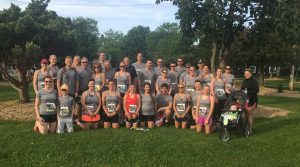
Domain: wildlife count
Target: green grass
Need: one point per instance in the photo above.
(275, 142)
(8, 93)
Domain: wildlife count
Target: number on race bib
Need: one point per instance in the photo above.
(111, 107)
(180, 108)
(122, 88)
(50, 107)
(148, 81)
(220, 92)
(64, 111)
(202, 110)
(90, 108)
(132, 108)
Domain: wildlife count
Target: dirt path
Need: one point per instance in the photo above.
(12, 110)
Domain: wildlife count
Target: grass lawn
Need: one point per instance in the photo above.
(275, 142)
(9, 93)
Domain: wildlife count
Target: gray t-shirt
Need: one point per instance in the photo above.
(163, 100)
(84, 76)
(138, 67)
(157, 71)
(54, 71)
(65, 106)
(194, 96)
(189, 83)
(219, 89)
(160, 81)
(180, 69)
(48, 102)
(229, 79)
(41, 78)
(148, 105)
(148, 76)
(112, 101)
(182, 75)
(182, 103)
(69, 77)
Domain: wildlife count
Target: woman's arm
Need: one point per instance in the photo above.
(104, 104)
(99, 103)
(35, 76)
(174, 105)
(83, 101)
(36, 108)
(103, 81)
(139, 104)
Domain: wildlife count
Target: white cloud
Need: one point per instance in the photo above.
(120, 18)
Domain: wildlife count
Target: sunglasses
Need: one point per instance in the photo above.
(173, 66)
(48, 81)
(179, 61)
(84, 62)
(121, 66)
(180, 87)
(192, 70)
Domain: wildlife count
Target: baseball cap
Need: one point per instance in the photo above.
(200, 62)
(44, 61)
(64, 87)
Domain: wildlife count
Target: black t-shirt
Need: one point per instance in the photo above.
(252, 87)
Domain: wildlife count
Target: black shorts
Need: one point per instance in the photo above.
(252, 102)
(184, 119)
(113, 119)
(146, 118)
(131, 121)
(49, 118)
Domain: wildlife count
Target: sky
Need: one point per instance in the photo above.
(120, 15)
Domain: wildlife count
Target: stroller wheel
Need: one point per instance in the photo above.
(224, 134)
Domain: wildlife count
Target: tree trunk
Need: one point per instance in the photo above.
(291, 84)
(24, 94)
(261, 73)
(277, 71)
(295, 78)
(271, 72)
(213, 58)
(222, 55)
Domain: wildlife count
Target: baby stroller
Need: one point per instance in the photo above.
(233, 115)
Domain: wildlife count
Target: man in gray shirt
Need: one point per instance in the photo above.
(68, 75)
(159, 67)
(147, 75)
(139, 65)
(84, 74)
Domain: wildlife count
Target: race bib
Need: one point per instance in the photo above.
(50, 107)
(111, 107)
(132, 108)
(122, 88)
(181, 108)
(220, 92)
(148, 81)
(64, 111)
(190, 90)
(90, 108)
(97, 88)
(228, 86)
(203, 110)
(42, 84)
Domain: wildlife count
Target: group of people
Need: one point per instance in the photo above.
(136, 94)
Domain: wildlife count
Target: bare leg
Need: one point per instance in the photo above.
(207, 129)
(107, 125)
(128, 125)
(183, 124)
(115, 125)
(52, 127)
(135, 125)
(95, 125)
(43, 127)
(177, 124)
(142, 124)
(150, 124)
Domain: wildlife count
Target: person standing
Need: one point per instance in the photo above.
(76, 62)
(45, 108)
(102, 59)
(194, 95)
(185, 73)
(149, 76)
(68, 75)
(163, 79)
(139, 65)
(39, 76)
(189, 80)
(206, 76)
(84, 74)
(180, 68)
(219, 90)
(251, 88)
(158, 68)
(204, 110)
(99, 77)
(123, 79)
(173, 75)
(200, 67)
(52, 67)
(229, 78)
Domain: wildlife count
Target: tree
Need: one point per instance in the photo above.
(216, 22)
(135, 41)
(27, 36)
(112, 43)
